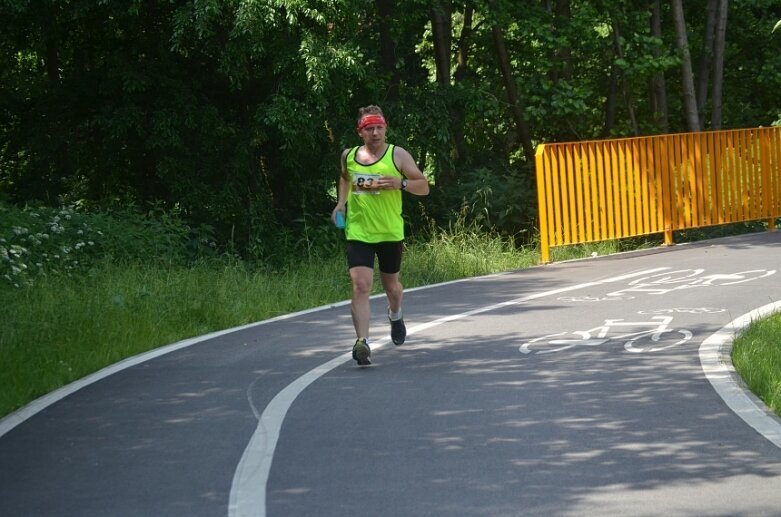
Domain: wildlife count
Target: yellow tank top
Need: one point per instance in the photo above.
(373, 215)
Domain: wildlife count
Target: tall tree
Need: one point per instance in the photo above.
(627, 92)
(459, 76)
(610, 101)
(718, 63)
(562, 13)
(442, 31)
(442, 36)
(687, 76)
(658, 86)
(706, 60)
(386, 10)
(516, 102)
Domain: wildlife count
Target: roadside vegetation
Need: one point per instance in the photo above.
(80, 291)
(756, 354)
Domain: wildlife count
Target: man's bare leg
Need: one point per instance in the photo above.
(395, 292)
(362, 278)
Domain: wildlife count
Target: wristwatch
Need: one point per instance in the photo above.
(403, 183)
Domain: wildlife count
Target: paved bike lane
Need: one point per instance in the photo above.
(468, 418)
(463, 422)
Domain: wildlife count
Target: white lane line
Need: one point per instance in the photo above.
(248, 490)
(716, 362)
(20, 415)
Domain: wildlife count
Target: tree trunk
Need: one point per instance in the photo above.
(51, 44)
(687, 76)
(441, 28)
(610, 101)
(459, 75)
(658, 86)
(562, 69)
(463, 45)
(385, 11)
(512, 94)
(619, 53)
(718, 63)
(706, 58)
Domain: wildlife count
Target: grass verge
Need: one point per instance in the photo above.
(62, 328)
(756, 355)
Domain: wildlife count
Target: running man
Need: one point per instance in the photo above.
(373, 175)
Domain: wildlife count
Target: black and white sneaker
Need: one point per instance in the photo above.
(398, 330)
(361, 352)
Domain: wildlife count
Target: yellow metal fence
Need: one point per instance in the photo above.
(611, 189)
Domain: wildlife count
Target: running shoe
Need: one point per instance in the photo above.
(361, 352)
(398, 330)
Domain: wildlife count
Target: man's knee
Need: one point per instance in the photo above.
(362, 281)
(361, 287)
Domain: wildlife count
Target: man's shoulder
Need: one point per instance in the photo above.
(399, 149)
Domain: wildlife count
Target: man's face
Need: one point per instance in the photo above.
(372, 134)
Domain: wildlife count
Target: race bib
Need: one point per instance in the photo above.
(365, 183)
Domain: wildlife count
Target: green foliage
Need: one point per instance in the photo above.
(233, 113)
(41, 241)
(501, 201)
(463, 249)
(63, 327)
(757, 358)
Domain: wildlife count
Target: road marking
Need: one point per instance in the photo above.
(248, 490)
(20, 415)
(716, 362)
(8, 422)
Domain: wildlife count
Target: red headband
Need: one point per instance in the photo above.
(371, 120)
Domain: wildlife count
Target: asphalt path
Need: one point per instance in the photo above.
(594, 387)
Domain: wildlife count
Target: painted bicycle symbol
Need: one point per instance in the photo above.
(662, 283)
(689, 310)
(588, 299)
(647, 339)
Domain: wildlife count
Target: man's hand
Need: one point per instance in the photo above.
(388, 183)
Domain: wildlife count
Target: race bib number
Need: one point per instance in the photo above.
(365, 183)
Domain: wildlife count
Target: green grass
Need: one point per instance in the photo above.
(756, 355)
(61, 328)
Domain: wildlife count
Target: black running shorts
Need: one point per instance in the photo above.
(388, 255)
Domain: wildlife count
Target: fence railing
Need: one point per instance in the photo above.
(611, 189)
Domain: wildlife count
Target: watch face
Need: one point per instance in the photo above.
(403, 184)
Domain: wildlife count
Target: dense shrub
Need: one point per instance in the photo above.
(38, 240)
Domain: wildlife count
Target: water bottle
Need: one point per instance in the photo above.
(339, 220)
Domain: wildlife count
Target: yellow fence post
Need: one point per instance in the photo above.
(767, 184)
(543, 204)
